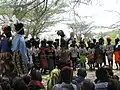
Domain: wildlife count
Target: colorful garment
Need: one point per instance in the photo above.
(5, 55)
(43, 58)
(51, 58)
(82, 52)
(90, 55)
(20, 58)
(53, 78)
(117, 53)
(19, 63)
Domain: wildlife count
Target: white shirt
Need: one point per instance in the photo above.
(74, 51)
(82, 51)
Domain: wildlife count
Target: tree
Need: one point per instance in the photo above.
(81, 28)
(37, 15)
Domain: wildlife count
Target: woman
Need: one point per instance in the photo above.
(20, 58)
(5, 55)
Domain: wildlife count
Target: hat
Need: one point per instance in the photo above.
(108, 39)
(57, 40)
(6, 28)
(3, 27)
(61, 33)
(18, 26)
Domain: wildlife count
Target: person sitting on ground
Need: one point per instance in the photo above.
(36, 81)
(111, 73)
(26, 79)
(53, 78)
(19, 84)
(104, 81)
(66, 75)
(81, 82)
(5, 83)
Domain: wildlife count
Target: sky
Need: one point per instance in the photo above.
(98, 12)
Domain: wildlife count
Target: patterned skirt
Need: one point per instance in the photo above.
(5, 62)
(19, 62)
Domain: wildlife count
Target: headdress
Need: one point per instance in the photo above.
(108, 39)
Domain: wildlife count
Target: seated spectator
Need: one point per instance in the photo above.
(5, 83)
(53, 78)
(36, 81)
(26, 79)
(81, 82)
(66, 76)
(104, 81)
(111, 73)
(19, 84)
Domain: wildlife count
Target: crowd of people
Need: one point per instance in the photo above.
(23, 62)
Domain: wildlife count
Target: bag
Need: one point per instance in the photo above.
(101, 86)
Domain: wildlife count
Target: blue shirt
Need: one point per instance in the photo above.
(18, 44)
(5, 46)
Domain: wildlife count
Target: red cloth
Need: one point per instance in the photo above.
(117, 56)
(43, 61)
(3, 27)
(36, 83)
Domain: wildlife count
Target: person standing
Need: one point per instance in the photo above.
(117, 53)
(43, 57)
(6, 55)
(90, 56)
(74, 52)
(50, 56)
(20, 58)
(83, 54)
(109, 52)
(102, 47)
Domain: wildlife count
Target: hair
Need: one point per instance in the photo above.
(26, 79)
(5, 84)
(66, 75)
(109, 69)
(19, 28)
(115, 77)
(35, 75)
(19, 85)
(102, 74)
(88, 85)
(82, 72)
